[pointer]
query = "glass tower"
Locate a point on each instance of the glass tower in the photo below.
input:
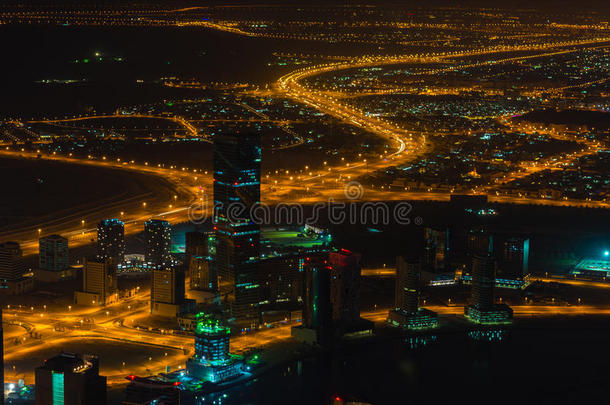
(237, 166)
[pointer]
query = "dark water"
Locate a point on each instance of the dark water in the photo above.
(35, 53)
(559, 363)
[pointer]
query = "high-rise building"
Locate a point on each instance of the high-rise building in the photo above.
(111, 240)
(483, 281)
(317, 311)
(167, 291)
(482, 308)
(317, 325)
(345, 286)
(212, 360)
(406, 312)
(99, 283)
(436, 250)
(196, 244)
(202, 274)
(158, 238)
(479, 242)
(406, 290)
(13, 277)
(69, 379)
(237, 160)
(12, 266)
(514, 262)
(148, 391)
(53, 253)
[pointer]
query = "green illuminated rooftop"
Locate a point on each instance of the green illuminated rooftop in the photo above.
(206, 324)
(294, 238)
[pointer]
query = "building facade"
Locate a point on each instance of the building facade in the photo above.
(99, 283)
(111, 240)
(70, 379)
(157, 238)
(53, 253)
(237, 160)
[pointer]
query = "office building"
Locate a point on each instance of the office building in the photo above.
(196, 244)
(99, 283)
(70, 379)
(237, 160)
(513, 263)
(53, 264)
(157, 239)
(202, 274)
(111, 240)
(14, 278)
(167, 291)
(148, 391)
(53, 253)
(482, 308)
(345, 294)
(436, 250)
(317, 311)
(212, 360)
(406, 312)
(345, 286)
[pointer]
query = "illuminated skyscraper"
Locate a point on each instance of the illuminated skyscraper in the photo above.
(53, 253)
(158, 238)
(69, 379)
(111, 240)
(237, 160)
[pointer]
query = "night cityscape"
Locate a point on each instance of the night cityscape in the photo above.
(280, 202)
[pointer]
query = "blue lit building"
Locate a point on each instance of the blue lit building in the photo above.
(237, 166)
(70, 379)
(212, 361)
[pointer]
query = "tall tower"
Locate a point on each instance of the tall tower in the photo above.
(482, 308)
(111, 240)
(345, 286)
(406, 294)
(237, 166)
(316, 295)
(483, 281)
(158, 238)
